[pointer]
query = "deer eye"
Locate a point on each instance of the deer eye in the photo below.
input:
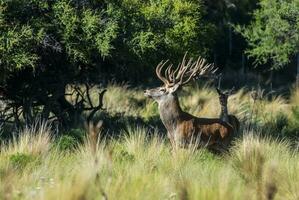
(162, 89)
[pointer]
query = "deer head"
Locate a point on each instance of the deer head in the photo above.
(175, 78)
(223, 95)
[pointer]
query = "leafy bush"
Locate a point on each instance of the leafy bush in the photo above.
(45, 44)
(76, 133)
(125, 156)
(20, 160)
(269, 33)
(66, 142)
(150, 112)
(277, 124)
(292, 128)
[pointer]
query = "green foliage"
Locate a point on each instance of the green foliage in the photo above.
(274, 124)
(273, 35)
(76, 133)
(66, 142)
(14, 52)
(292, 127)
(20, 160)
(125, 156)
(78, 32)
(150, 112)
(47, 45)
(169, 26)
(88, 31)
(281, 121)
(84, 31)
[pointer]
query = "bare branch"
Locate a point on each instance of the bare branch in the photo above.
(97, 108)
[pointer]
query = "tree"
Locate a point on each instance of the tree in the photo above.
(273, 34)
(47, 45)
(229, 46)
(158, 29)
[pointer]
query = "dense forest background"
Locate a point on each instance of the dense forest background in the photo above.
(45, 46)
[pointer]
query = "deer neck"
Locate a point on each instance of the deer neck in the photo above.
(170, 112)
(224, 113)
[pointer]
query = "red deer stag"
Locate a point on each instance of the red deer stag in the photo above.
(231, 119)
(182, 127)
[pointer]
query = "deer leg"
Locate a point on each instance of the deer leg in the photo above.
(218, 148)
(170, 137)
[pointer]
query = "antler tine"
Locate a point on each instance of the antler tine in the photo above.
(208, 68)
(183, 68)
(172, 74)
(199, 68)
(176, 70)
(195, 67)
(182, 75)
(168, 72)
(158, 72)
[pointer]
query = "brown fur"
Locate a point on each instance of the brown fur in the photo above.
(208, 131)
(183, 128)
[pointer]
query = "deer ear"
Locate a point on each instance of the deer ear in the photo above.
(218, 90)
(174, 88)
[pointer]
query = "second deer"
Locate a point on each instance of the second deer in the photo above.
(231, 119)
(181, 126)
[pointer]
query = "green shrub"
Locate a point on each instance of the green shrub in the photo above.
(76, 133)
(20, 160)
(276, 125)
(292, 127)
(121, 154)
(126, 156)
(67, 142)
(207, 156)
(281, 121)
(150, 112)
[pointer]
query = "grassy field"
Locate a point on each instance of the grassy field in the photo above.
(134, 160)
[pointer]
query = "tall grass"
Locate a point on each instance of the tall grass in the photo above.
(140, 163)
(142, 166)
(32, 140)
(202, 101)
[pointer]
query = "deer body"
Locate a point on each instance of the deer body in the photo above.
(183, 128)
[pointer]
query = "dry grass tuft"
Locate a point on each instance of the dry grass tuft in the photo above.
(33, 140)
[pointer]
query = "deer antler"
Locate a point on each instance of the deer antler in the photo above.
(185, 71)
(158, 72)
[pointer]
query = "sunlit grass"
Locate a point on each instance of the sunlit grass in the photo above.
(143, 166)
(201, 101)
(140, 163)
